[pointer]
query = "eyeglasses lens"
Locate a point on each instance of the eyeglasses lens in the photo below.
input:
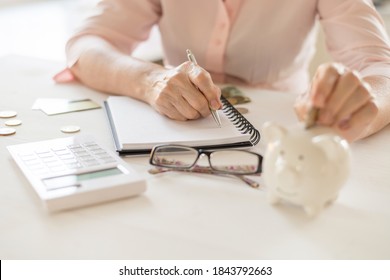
(234, 161)
(174, 156)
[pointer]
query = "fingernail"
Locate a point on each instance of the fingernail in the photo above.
(343, 125)
(214, 104)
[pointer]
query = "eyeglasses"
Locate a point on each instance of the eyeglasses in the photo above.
(221, 162)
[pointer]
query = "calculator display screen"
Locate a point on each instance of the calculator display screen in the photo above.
(69, 180)
(97, 174)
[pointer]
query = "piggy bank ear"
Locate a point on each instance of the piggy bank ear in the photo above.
(273, 132)
(331, 144)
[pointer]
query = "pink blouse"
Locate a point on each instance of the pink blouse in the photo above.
(258, 42)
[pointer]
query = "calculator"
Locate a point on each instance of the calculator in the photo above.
(75, 171)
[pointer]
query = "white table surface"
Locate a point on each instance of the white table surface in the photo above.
(181, 216)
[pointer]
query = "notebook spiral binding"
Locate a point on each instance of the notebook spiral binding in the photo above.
(242, 124)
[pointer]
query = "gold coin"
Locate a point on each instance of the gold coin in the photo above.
(242, 99)
(8, 114)
(70, 129)
(242, 110)
(13, 122)
(231, 91)
(311, 117)
(4, 131)
(232, 100)
(247, 99)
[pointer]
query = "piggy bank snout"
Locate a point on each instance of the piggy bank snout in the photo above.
(288, 177)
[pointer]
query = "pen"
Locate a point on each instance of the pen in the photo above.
(214, 113)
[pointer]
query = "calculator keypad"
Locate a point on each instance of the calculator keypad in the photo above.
(63, 158)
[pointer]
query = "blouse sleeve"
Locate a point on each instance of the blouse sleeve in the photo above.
(356, 35)
(123, 23)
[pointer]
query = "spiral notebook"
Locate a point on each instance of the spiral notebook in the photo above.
(137, 128)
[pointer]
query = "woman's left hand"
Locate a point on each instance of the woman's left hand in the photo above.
(344, 100)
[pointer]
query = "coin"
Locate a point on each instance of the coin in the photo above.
(13, 122)
(70, 129)
(231, 91)
(232, 100)
(311, 117)
(242, 99)
(242, 110)
(4, 131)
(8, 114)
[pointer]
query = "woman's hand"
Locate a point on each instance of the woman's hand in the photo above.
(344, 100)
(184, 93)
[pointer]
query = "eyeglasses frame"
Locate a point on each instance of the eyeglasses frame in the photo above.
(207, 152)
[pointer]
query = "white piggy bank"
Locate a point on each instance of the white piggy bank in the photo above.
(304, 167)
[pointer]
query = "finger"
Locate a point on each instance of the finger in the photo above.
(171, 112)
(302, 105)
(185, 109)
(342, 91)
(172, 96)
(356, 125)
(324, 81)
(164, 101)
(186, 98)
(357, 100)
(198, 102)
(202, 80)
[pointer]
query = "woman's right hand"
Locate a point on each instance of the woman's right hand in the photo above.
(184, 93)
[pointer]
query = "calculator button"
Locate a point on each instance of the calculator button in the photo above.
(74, 146)
(57, 168)
(58, 149)
(94, 148)
(42, 171)
(81, 154)
(86, 157)
(75, 165)
(90, 145)
(42, 151)
(45, 155)
(49, 159)
(78, 150)
(32, 162)
(28, 157)
(90, 163)
(69, 161)
(107, 159)
(37, 167)
(100, 153)
(62, 152)
(86, 144)
(66, 157)
(54, 164)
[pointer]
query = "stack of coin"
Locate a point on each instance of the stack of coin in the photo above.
(236, 100)
(236, 97)
(5, 131)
